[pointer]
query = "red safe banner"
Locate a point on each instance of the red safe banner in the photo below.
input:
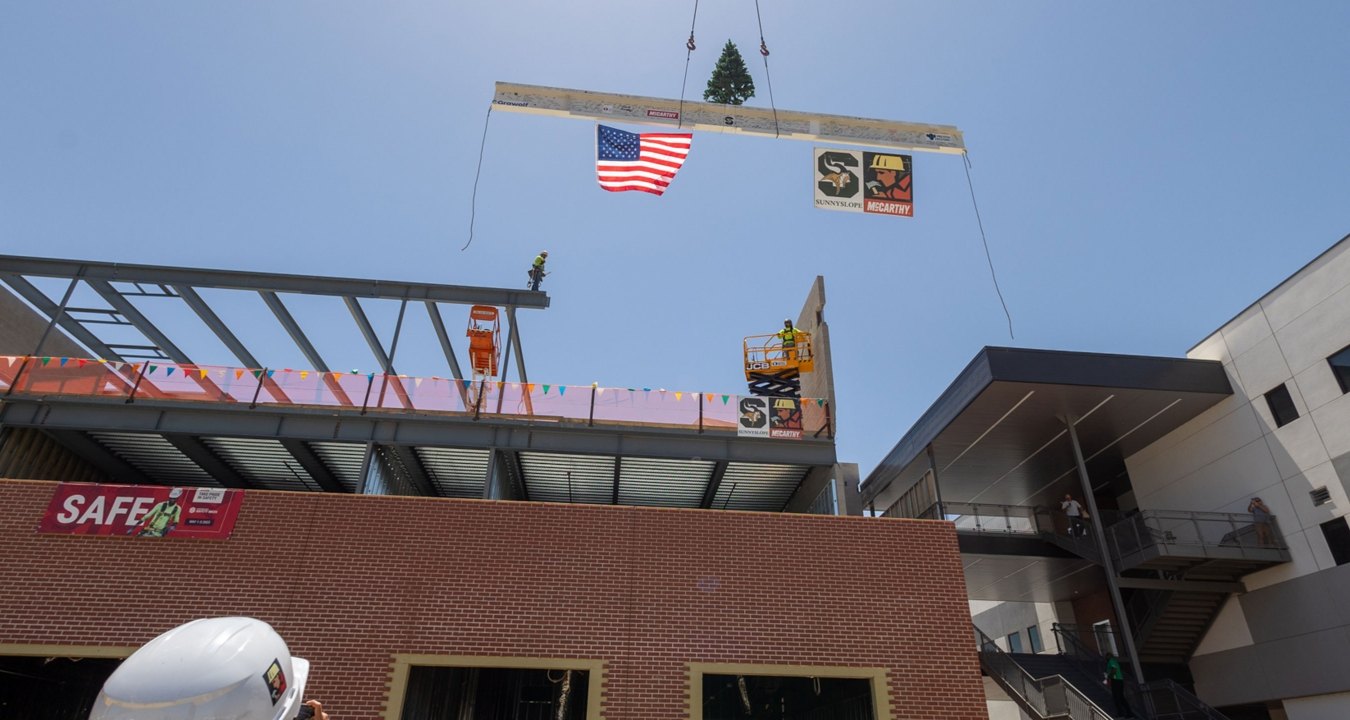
(141, 511)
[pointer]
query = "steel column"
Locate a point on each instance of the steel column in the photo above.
(1112, 581)
(714, 484)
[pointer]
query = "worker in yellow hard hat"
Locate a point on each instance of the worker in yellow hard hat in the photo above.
(537, 269)
(788, 337)
(888, 177)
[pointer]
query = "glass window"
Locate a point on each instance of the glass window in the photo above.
(1340, 367)
(1015, 643)
(1034, 639)
(1337, 533)
(760, 697)
(1281, 406)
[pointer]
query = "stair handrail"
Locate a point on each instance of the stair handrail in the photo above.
(1154, 700)
(1047, 697)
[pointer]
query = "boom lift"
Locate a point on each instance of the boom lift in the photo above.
(485, 347)
(773, 370)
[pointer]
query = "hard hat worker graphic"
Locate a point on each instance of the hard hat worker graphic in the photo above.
(162, 518)
(227, 668)
(887, 178)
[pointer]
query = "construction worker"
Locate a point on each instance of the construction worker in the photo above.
(788, 336)
(163, 517)
(537, 269)
(211, 669)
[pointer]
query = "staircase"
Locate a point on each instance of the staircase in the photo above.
(1073, 672)
(1170, 625)
(1042, 698)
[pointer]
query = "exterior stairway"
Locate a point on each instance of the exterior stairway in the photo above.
(1073, 672)
(1042, 698)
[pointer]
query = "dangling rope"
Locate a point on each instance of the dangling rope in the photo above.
(764, 53)
(689, 48)
(985, 240)
(473, 201)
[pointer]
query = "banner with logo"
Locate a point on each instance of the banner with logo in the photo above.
(864, 181)
(141, 511)
(775, 417)
(752, 418)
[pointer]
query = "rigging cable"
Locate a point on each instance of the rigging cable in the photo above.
(473, 201)
(689, 47)
(985, 240)
(764, 52)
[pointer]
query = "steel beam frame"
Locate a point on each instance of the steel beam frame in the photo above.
(273, 282)
(201, 455)
(313, 464)
(714, 484)
(92, 452)
(416, 472)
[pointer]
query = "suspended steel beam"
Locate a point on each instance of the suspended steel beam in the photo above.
(690, 115)
(271, 282)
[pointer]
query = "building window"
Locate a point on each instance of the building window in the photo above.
(1034, 639)
(735, 695)
(1281, 406)
(1337, 533)
(1015, 643)
(1340, 367)
(1320, 496)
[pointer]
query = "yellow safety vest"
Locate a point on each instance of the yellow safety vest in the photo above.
(789, 337)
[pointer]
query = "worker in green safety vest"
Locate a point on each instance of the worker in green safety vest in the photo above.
(163, 517)
(788, 335)
(537, 269)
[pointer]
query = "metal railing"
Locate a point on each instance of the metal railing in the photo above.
(1195, 534)
(1153, 700)
(710, 413)
(1046, 697)
(1022, 520)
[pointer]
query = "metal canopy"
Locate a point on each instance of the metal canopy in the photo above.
(116, 283)
(998, 433)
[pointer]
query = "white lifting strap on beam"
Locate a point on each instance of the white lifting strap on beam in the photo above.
(728, 118)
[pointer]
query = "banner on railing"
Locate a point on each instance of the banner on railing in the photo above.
(141, 511)
(776, 417)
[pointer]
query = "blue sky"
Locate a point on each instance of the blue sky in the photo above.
(1144, 171)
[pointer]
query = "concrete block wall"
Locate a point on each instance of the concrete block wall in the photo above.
(351, 581)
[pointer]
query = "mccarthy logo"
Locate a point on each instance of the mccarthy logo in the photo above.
(668, 114)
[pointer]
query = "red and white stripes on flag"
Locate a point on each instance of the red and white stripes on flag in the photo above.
(632, 161)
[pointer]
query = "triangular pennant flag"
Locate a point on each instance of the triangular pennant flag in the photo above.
(546, 387)
(204, 372)
(678, 394)
(81, 362)
(64, 361)
(369, 376)
(417, 382)
(562, 389)
(646, 390)
(169, 371)
(725, 398)
(257, 373)
(304, 374)
(820, 402)
(467, 384)
(152, 370)
(598, 390)
(708, 397)
(270, 373)
(46, 360)
(529, 388)
(238, 374)
(285, 370)
(101, 361)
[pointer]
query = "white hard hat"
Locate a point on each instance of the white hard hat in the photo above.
(175, 493)
(229, 668)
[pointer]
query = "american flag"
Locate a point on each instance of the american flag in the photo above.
(646, 162)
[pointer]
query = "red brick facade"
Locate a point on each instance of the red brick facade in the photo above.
(349, 581)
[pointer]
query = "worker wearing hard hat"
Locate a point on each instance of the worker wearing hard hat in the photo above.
(889, 178)
(788, 336)
(163, 517)
(228, 668)
(537, 269)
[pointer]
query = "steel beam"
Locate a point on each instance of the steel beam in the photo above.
(377, 349)
(714, 484)
(271, 282)
(618, 465)
(227, 337)
(140, 321)
(201, 455)
(396, 427)
(439, 325)
(313, 464)
(715, 117)
(89, 450)
(1182, 585)
(44, 305)
(413, 466)
(512, 460)
(292, 328)
(515, 342)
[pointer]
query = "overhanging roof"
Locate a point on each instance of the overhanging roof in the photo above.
(998, 434)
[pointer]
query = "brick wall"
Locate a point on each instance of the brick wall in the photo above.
(349, 581)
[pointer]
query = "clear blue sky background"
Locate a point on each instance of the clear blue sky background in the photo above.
(1145, 170)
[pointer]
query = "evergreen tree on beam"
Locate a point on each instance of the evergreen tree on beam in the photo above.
(730, 83)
